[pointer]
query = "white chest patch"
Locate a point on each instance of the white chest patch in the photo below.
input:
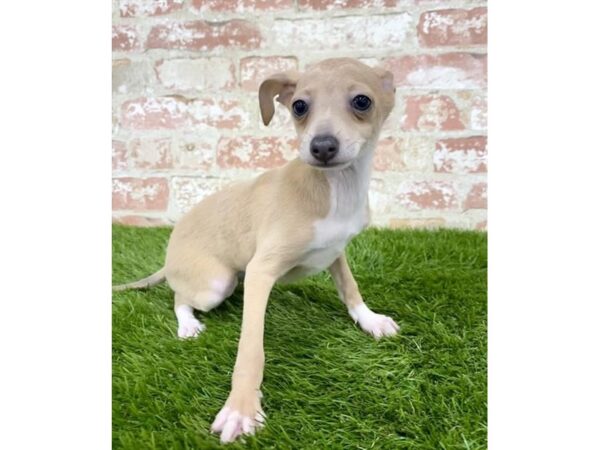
(332, 234)
(348, 215)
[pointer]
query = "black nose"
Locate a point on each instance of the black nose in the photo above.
(324, 148)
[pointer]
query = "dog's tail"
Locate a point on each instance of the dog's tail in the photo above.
(144, 283)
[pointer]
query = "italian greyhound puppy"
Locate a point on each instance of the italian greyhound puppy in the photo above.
(288, 223)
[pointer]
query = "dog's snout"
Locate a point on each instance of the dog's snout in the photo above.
(324, 148)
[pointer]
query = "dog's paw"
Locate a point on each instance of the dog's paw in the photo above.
(232, 424)
(375, 324)
(239, 416)
(379, 325)
(189, 328)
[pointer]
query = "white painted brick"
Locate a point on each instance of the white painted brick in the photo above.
(186, 192)
(196, 74)
(378, 31)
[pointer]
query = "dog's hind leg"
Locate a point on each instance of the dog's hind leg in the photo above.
(187, 325)
(200, 287)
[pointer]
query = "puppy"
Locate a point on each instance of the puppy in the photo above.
(288, 223)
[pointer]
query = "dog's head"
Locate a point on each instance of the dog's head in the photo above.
(338, 107)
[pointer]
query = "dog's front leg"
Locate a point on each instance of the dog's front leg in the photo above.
(376, 324)
(242, 412)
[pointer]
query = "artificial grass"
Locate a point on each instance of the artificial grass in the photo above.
(327, 385)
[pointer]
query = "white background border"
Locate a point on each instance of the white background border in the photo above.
(55, 386)
(543, 226)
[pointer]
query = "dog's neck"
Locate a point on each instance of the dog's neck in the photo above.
(350, 186)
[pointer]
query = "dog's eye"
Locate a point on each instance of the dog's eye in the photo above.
(361, 103)
(300, 107)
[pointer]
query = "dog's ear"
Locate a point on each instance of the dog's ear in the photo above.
(281, 85)
(389, 91)
(387, 79)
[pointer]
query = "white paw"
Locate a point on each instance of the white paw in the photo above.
(189, 328)
(231, 424)
(375, 324)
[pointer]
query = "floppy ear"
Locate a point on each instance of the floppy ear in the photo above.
(281, 84)
(387, 79)
(387, 87)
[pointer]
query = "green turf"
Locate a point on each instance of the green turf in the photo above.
(327, 385)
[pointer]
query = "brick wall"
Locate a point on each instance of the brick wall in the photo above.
(185, 108)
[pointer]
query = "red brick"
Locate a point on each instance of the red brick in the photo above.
(139, 8)
(453, 27)
(125, 38)
(445, 71)
(322, 5)
(241, 5)
(249, 152)
(198, 74)
(411, 153)
(255, 69)
(431, 113)
(461, 155)
(149, 153)
(141, 221)
(201, 36)
(477, 197)
(119, 155)
(416, 195)
(143, 194)
(388, 156)
(176, 111)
